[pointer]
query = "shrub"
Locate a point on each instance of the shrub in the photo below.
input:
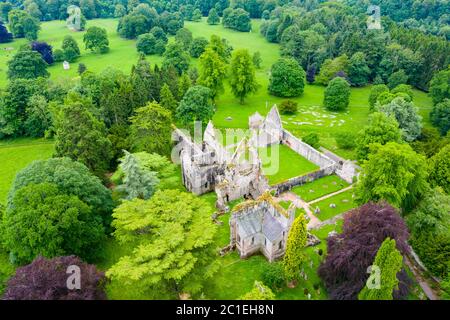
(337, 95)
(146, 43)
(312, 139)
(273, 276)
(288, 107)
(346, 140)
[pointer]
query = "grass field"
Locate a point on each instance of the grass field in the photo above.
(312, 117)
(17, 154)
(320, 188)
(281, 163)
(343, 201)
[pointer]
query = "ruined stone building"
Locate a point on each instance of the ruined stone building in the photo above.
(235, 171)
(261, 225)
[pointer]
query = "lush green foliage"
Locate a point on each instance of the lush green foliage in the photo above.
(195, 106)
(395, 173)
(440, 169)
(96, 39)
(151, 129)
(44, 221)
(337, 95)
(381, 129)
(389, 261)
(296, 242)
(213, 71)
(288, 107)
(259, 292)
(172, 234)
(242, 75)
(440, 116)
(80, 136)
(27, 64)
(287, 78)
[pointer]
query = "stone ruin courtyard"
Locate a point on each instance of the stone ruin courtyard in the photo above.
(316, 183)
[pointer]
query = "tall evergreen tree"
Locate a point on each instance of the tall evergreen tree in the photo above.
(389, 261)
(167, 100)
(294, 256)
(137, 183)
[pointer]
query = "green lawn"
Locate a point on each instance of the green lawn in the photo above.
(320, 188)
(17, 154)
(281, 163)
(311, 117)
(343, 201)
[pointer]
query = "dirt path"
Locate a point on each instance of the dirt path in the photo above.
(299, 203)
(424, 282)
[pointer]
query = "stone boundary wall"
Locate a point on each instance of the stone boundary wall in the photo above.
(306, 151)
(301, 180)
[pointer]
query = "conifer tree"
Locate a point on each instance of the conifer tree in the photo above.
(294, 256)
(184, 83)
(137, 183)
(389, 261)
(167, 100)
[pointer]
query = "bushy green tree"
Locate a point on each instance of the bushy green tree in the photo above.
(213, 71)
(259, 292)
(242, 78)
(389, 261)
(440, 116)
(358, 70)
(312, 139)
(440, 86)
(287, 79)
(196, 106)
(440, 169)
(346, 140)
(70, 48)
(407, 116)
(213, 17)
(397, 78)
(71, 178)
(294, 256)
(146, 43)
(197, 15)
(395, 173)
(381, 129)
(337, 95)
(44, 221)
(273, 276)
(257, 60)
(27, 64)
(137, 183)
(375, 92)
(184, 38)
(151, 129)
(81, 137)
(175, 56)
(173, 239)
(39, 118)
(330, 68)
(96, 39)
(167, 100)
(22, 24)
(198, 47)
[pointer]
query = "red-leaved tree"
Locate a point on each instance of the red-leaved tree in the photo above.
(46, 279)
(344, 271)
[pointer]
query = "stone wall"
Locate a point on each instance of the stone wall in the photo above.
(301, 180)
(306, 151)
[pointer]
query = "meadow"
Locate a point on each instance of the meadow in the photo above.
(311, 118)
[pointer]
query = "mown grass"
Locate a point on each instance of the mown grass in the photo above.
(123, 55)
(319, 188)
(343, 201)
(281, 163)
(16, 155)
